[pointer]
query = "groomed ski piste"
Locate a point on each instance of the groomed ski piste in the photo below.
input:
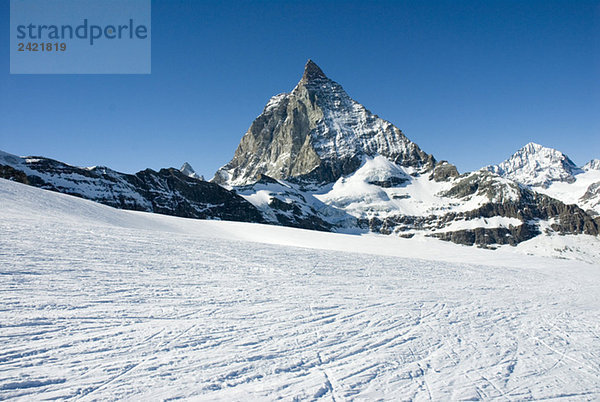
(104, 304)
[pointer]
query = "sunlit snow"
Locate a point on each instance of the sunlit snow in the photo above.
(99, 303)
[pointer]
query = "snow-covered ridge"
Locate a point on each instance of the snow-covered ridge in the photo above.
(85, 182)
(168, 191)
(275, 101)
(538, 166)
(583, 191)
(594, 164)
(380, 188)
(551, 172)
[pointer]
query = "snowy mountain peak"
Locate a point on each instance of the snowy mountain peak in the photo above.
(312, 72)
(537, 166)
(317, 133)
(533, 147)
(594, 164)
(188, 170)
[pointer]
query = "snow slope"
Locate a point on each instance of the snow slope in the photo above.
(360, 194)
(575, 192)
(99, 303)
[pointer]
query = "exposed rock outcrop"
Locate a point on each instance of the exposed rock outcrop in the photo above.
(167, 191)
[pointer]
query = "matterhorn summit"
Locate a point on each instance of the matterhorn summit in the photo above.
(316, 133)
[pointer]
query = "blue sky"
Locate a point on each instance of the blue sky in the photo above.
(469, 81)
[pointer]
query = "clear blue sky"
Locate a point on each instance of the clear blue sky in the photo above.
(469, 81)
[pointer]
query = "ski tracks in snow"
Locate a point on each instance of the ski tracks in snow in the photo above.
(93, 312)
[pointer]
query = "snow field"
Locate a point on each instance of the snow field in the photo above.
(99, 303)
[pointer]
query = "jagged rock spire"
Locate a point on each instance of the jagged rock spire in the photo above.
(316, 134)
(312, 72)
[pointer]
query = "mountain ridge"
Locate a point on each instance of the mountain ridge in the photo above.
(353, 162)
(167, 191)
(537, 166)
(317, 159)
(551, 172)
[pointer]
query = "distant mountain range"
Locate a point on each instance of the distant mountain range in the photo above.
(317, 159)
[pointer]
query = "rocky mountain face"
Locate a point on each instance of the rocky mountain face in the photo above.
(316, 134)
(167, 191)
(316, 159)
